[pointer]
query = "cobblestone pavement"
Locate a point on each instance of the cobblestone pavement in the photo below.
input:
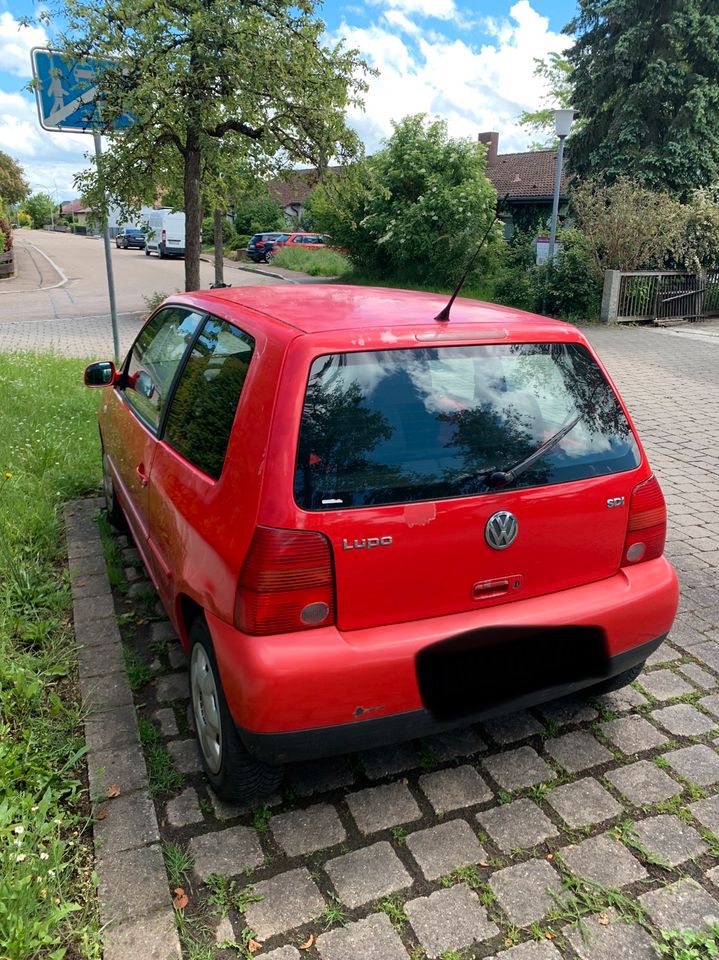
(473, 841)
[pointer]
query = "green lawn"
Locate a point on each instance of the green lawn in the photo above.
(49, 452)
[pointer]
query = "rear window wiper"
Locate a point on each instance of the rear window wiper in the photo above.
(503, 478)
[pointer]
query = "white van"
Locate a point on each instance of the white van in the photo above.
(165, 233)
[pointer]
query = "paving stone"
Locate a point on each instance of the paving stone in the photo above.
(96, 660)
(522, 890)
(574, 709)
(518, 824)
(531, 950)
(319, 776)
(698, 763)
(664, 684)
(681, 905)
(132, 574)
(185, 755)
(632, 734)
(454, 789)
(177, 656)
(615, 941)
(142, 588)
(516, 769)
(152, 937)
(87, 587)
(390, 760)
(683, 720)
(512, 727)
(89, 566)
(224, 931)
(101, 633)
(449, 919)
(228, 810)
(643, 783)
(125, 767)
(372, 939)
(685, 634)
(162, 632)
(711, 704)
(439, 850)
(708, 653)
(165, 718)
(577, 751)
(367, 874)
(304, 831)
(227, 852)
(665, 654)
(116, 728)
(288, 900)
(105, 692)
(132, 883)
(604, 860)
(707, 813)
(184, 809)
(87, 613)
(455, 743)
(713, 876)
(172, 687)
(670, 839)
(583, 803)
(619, 701)
(131, 555)
(698, 676)
(124, 823)
(378, 808)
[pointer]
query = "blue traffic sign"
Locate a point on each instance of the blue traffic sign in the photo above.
(67, 93)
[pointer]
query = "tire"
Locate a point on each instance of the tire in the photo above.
(233, 772)
(619, 681)
(268, 256)
(112, 506)
(160, 252)
(117, 244)
(147, 251)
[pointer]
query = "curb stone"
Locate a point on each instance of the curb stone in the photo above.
(135, 908)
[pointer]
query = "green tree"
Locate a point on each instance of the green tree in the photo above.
(415, 209)
(13, 186)
(39, 207)
(258, 214)
(196, 72)
(645, 79)
(556, 70)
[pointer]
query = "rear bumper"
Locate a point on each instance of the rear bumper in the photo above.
(365, 734)
(325, 691)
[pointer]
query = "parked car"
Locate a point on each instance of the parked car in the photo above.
(130, 237)
(309, 241)
(261, 246)
(368, 525)
(166, 233)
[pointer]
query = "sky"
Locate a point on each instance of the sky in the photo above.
(469, 62)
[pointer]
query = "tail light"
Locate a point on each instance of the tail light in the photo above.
(260, 243)
(164, 236)
(647, 527)
(286, 583)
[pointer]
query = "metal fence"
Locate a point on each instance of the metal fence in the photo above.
(642, 296)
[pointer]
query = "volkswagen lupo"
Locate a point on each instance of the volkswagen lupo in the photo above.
(368, 525)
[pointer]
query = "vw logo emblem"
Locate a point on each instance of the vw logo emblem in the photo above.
(501, 530)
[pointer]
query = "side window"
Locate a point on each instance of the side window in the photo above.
(204, 404)
(298, 239)
(154, 359)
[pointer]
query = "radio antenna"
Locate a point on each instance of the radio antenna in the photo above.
(443, 315)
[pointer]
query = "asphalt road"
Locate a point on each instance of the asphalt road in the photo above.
(59, 298)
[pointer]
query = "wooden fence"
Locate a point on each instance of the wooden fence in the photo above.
(7, 264)
(653, 296)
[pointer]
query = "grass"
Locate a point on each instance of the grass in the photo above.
(178, 863)
(580, 898)
(49, 452)
(138, 672)
(393, 908)
(317, 263)
(162, 775)
(334, 914)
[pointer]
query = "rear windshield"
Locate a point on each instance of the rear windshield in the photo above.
(397, 426)
(132, 230)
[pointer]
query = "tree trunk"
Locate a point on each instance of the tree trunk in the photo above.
(219, 249)
(193, 213)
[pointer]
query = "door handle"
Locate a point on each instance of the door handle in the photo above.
(142, 475)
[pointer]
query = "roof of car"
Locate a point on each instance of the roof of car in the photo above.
(316, 308)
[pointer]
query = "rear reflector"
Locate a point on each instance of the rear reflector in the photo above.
(647, 526)
(286, 583)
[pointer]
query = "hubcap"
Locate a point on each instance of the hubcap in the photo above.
(206, 708)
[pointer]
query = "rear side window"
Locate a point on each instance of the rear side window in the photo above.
(398, 426)
(208, 390)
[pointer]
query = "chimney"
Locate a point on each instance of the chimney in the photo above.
(492, 141)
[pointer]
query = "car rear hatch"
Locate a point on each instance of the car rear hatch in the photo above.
(404, 461)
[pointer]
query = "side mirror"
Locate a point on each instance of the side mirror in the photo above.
(100, 374)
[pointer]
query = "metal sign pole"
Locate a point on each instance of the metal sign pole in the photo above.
(108, 263)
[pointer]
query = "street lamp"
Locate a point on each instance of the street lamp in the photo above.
(562, 123)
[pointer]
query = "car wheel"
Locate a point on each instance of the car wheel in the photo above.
(113, 508)
(268, 256)
(147, 251)
(619, 681)
(160, 252)
(117, 244)
(233, 772)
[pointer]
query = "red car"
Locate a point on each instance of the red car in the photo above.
(368, 525)
(308, 241)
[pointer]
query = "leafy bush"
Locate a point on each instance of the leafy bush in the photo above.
(229, 238)
(689, 945)
(258, 215)
(5, 236)
(317, 263)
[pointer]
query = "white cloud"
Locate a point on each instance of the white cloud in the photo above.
(439, 9)
(474, 87)
(16, 42)
(50, 160)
